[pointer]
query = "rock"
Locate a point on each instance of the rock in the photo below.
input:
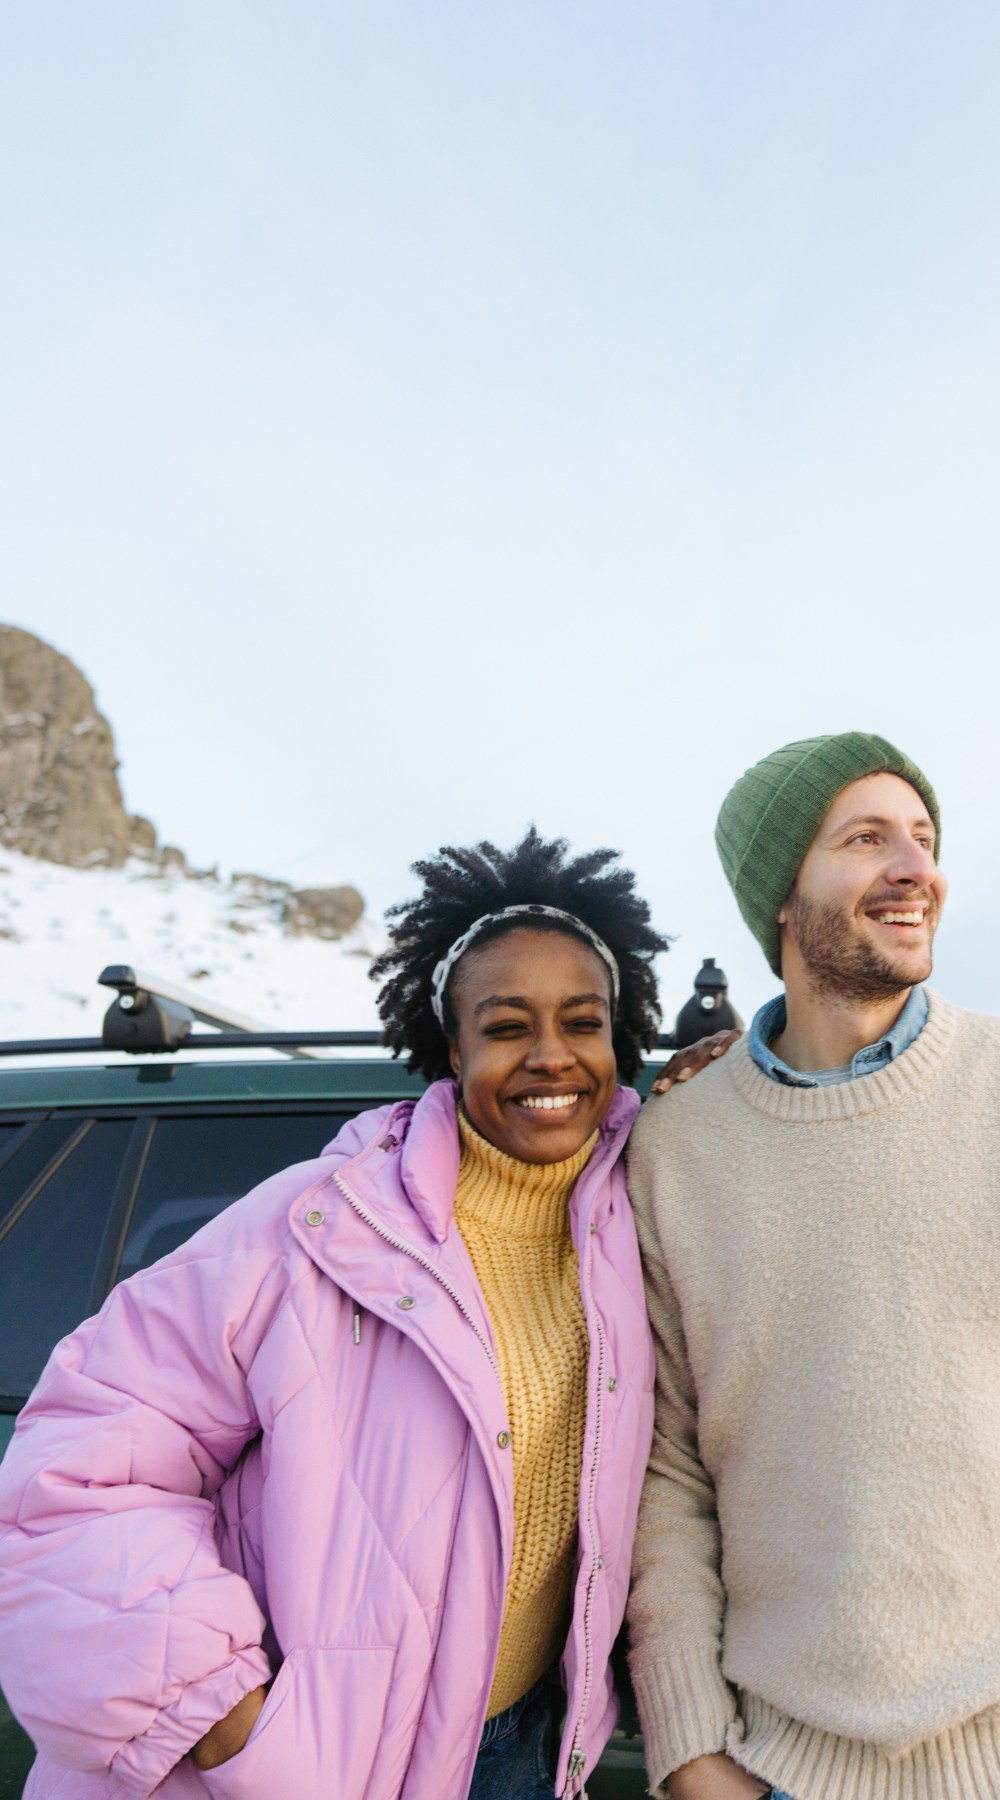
(59, 793)
(142, 833)
(304, 912)
(258, 890)
(322, 912)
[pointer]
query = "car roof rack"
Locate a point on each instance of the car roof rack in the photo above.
(151, 1016)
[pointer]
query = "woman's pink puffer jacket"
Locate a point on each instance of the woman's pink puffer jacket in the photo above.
(282, 1448)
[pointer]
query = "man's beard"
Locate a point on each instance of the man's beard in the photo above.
(843, 966)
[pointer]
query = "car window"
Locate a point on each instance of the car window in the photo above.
(24, 1153)
(48, 1256)
(9, 1134)
(198, 1166)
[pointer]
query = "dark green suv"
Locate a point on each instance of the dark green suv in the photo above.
(105, 1167)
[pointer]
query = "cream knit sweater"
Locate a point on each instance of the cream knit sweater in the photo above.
(823, 1498)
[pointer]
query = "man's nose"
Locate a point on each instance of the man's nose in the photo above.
(912, 864)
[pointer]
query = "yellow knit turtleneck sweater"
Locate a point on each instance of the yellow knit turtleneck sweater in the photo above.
(514, 1218)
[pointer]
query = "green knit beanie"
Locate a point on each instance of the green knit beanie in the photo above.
(769, 819)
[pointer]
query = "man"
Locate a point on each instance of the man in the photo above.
(817, 1569)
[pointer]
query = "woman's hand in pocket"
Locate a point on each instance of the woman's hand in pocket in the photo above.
(227, 1738)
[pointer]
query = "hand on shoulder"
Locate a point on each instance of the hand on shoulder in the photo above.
(685, 1063)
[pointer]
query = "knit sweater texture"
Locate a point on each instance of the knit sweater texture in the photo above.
(514, 1218)
(817, 1565)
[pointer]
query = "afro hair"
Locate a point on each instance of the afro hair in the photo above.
(461, 886)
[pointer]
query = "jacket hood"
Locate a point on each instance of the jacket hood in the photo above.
(427, 1130)
(431, 1149)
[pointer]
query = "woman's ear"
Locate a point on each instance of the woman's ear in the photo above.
(454, 1059)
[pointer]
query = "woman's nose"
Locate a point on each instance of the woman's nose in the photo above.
(551, 1050)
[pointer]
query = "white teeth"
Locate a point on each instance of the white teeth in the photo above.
(548, 1102)
(901, 918)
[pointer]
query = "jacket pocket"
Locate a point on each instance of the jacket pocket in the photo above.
(319, 1730)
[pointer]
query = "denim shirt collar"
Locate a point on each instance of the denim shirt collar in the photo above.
(772, 1018)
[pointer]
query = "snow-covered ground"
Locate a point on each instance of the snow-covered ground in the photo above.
(60, 927)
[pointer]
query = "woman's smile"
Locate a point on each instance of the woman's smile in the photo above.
(548, 1102)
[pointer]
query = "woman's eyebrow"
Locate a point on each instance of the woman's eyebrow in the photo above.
(523, 1005)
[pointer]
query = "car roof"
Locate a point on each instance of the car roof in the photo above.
(362, 1082)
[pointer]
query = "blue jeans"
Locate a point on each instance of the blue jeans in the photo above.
(513, 1760)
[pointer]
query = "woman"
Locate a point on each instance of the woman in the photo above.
(317, 1503)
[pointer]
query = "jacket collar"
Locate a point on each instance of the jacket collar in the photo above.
(431, 1151)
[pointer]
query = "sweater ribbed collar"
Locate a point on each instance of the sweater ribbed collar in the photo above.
(521, 1199)
(849, 1099)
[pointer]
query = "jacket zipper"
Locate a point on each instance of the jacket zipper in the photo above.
(577, 1764)
(397, 1243)
(578, 1756)
(425, 1263)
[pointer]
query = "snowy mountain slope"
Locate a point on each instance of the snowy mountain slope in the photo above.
(59, 927)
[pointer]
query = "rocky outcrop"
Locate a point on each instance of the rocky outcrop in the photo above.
(59, 792)
(322, 912)
(60, 799)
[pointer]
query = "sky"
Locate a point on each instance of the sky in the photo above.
(422, 420)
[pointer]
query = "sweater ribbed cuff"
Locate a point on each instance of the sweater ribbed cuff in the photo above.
(685, 1708)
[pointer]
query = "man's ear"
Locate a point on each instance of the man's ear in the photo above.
(454, 1059)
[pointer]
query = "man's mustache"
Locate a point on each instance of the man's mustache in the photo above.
(899, 898)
